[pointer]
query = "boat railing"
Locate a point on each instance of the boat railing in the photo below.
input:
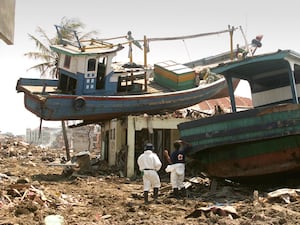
(131, 80)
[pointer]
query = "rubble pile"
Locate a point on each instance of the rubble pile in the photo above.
(34, 191)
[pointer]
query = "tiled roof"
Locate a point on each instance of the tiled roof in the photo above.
(224, 103)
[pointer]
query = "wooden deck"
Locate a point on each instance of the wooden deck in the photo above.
(40, 89)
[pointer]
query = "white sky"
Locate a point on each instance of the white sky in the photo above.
(276, 20)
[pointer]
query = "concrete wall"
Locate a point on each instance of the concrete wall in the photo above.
(114, 138)
(151, 122)
(7, 22)
(122, 134)
(82, 139)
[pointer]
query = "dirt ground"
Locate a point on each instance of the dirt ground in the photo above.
(32, 192)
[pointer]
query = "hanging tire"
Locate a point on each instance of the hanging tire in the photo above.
(79, 103)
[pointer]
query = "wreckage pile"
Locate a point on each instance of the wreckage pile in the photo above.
(34, 192)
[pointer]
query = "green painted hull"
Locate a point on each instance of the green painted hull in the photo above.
(252, 143)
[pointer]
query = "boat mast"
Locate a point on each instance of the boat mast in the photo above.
(145, 61)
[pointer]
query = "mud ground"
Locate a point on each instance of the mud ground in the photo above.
(32, 191)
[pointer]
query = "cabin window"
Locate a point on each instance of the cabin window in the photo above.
(67, 61)
(101, 73)
(297, 74)
(269, 83)
(91, 65)
(279, 77)
(67, 84)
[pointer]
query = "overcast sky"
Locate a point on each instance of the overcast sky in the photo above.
(276, 20)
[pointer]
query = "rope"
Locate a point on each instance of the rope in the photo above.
(187, 50)
(187, 36)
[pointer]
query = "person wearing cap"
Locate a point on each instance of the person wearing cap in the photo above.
(149, 163)
(177, 166)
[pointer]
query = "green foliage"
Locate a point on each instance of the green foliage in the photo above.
(48, 59)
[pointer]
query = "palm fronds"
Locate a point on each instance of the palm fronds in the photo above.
(48, 59)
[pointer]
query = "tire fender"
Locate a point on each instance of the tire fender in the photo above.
(79, 103)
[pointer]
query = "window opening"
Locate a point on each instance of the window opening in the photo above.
(67, 61)
(101, 73)
(91, 65)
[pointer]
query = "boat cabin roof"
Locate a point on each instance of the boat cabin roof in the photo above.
(88, 47)
(248, 68)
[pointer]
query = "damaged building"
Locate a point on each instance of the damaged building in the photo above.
(123, 139)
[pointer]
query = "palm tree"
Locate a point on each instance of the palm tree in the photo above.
(48, 59)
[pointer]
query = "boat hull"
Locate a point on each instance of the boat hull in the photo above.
(54, 106)
(249, 144)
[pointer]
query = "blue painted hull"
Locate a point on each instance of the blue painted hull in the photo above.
(54, 106)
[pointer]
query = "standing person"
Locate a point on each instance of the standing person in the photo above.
(149, 163)
(177, 167)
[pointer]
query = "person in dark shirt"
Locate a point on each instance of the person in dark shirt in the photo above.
(177, 166)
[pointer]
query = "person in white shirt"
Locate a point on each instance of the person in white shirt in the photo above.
(149, 163)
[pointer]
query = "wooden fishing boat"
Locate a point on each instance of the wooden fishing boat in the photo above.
(258, 143)
(88, 88)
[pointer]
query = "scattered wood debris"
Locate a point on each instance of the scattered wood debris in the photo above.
(34, 193)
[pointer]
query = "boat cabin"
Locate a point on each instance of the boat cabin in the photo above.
(274, 78)
(87, 70)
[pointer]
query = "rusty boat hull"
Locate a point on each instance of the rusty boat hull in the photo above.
(258, 143)
(252, 144)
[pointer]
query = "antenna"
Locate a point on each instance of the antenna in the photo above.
(64, 41)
